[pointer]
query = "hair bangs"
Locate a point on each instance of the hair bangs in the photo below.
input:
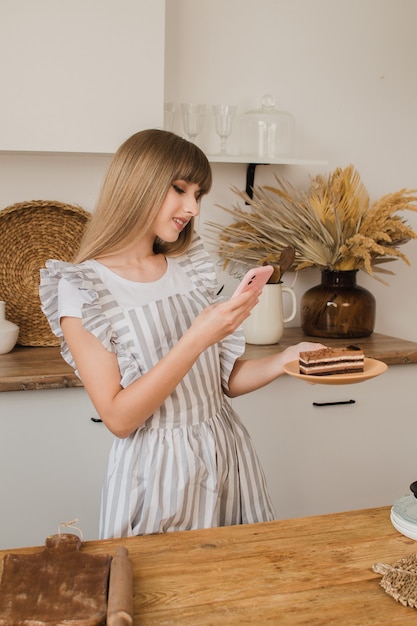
(193, 167)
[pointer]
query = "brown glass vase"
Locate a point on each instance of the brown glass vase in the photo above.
(338, 307)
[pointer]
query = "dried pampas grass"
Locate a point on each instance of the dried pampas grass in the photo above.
(331, 226)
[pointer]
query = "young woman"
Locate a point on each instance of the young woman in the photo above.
(158, 351)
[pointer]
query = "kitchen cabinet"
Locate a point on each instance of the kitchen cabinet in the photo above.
(316, 459)
(323, 459)
(80, 76)
(52, 464)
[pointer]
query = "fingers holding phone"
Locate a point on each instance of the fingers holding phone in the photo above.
(254, 280)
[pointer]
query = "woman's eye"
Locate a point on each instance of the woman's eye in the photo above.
(178, 189)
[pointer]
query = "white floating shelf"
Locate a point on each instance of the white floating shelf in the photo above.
(238, 158)
(252, 163)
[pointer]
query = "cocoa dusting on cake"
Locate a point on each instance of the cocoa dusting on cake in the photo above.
(329, 361)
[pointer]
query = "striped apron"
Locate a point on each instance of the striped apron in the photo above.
(192, 463)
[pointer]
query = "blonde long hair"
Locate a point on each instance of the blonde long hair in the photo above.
(136, 184)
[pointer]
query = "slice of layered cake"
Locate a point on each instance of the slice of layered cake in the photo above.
(327, 361)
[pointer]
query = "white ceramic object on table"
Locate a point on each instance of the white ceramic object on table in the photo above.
(265, 325)
(9, 331)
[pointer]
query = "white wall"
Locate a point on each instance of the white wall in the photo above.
(345, 70)
(76, 76)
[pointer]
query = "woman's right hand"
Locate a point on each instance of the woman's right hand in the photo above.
(222, 318)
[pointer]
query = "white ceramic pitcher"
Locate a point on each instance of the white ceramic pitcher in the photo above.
(265, 325)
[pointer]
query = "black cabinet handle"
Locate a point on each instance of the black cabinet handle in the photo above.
(334, 403)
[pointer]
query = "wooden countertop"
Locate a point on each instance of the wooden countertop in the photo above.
(25, 369)
(43, 368)
(390, 350)
(312, 570)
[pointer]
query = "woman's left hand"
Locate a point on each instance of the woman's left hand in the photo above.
(251, 374)
(292, 353)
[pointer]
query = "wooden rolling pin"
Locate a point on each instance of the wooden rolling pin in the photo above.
(120, 598)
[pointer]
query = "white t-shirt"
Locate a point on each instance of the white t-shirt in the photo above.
(127, 293)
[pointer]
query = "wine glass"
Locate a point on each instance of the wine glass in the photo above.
(193, 119)
(169, 115)
(223, 117)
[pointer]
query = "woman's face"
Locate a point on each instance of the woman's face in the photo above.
(181, 203)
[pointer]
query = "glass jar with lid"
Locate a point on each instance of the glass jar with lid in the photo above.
(267, 133)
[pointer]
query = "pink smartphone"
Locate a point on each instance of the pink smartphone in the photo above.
(255, 278)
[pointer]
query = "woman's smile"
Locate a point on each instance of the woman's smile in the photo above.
(180, 223)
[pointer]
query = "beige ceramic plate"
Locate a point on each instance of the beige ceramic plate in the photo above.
(371, 368)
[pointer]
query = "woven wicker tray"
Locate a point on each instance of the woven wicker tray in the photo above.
(31, 233)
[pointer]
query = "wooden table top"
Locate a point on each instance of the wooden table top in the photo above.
(311, 570)
(43, 368)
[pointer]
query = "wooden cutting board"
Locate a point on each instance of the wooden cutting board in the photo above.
(55, 585)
